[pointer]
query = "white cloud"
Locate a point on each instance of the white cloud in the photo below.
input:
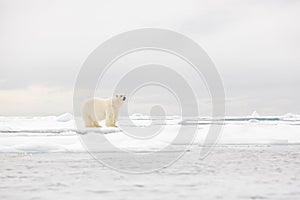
(255, 45)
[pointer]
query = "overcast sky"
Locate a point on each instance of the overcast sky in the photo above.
(255, 45)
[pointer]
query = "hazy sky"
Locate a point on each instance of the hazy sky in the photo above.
(255, 45)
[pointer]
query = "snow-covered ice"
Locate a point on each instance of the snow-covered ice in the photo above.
(58, 134)
(256, 157)
(230, 172)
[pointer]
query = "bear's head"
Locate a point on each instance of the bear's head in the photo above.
(119, 98)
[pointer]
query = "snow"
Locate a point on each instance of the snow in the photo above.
(59, 134)
(65, 117)
(43, 158)
(254, 114)
(231, 172)
(41, 144)
(139, 116)
(291, 117)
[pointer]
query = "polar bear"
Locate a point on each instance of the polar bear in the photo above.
(98, 109)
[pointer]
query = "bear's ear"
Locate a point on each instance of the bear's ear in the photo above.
(117, 95)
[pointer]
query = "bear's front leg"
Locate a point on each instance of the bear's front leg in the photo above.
(115, 117)
(113, 124)
(109, 120)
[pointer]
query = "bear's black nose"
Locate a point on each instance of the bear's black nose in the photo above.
(124, 98)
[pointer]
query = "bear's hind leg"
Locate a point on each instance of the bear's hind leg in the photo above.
(90, 122)
(87, 121)
(88, 125)
(96, 124)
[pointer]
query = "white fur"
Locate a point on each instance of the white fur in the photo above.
(98, 109)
